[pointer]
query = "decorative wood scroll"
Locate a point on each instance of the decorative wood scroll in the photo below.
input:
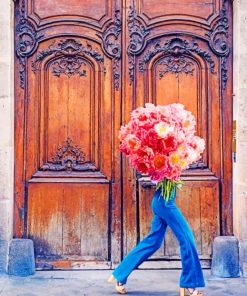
(219, 33)
(26, 41)
(218, 42)
(72, 51)
(137, 34)
(69, 158)
(176, 47)
(112, 45)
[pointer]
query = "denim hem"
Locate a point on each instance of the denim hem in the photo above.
(192, 285)
(119, 280)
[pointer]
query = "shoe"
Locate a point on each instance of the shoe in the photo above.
(185, 291)
(119, 287)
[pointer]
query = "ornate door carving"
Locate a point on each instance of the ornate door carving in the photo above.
(81, 67)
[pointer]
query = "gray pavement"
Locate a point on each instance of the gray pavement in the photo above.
(93, 283)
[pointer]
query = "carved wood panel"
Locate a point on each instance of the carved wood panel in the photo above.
(200, 11)
(47, 12)
(68, 88)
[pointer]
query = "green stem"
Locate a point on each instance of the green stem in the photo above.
(168, 187)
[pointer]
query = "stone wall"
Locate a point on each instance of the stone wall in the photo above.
(240, 115)
(6, 127)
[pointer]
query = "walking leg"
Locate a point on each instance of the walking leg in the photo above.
(142, 251)
(192, 275)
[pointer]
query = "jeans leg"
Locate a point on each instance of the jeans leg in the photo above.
(142, 251)
(192, 275)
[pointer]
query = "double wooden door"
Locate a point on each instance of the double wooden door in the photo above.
(81, 67)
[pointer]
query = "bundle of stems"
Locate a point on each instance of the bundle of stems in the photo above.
(168, 187)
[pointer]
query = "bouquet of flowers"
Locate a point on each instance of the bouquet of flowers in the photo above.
(160, 141)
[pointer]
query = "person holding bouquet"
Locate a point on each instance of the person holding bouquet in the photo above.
(160, 141)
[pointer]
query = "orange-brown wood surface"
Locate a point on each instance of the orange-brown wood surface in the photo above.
(72, 220)
(81, 67)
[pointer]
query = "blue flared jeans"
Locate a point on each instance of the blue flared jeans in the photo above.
(165, 214)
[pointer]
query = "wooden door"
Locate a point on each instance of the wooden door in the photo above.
(181, 51)
(81, 67)
(67, 177)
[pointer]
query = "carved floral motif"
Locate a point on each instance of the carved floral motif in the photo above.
(70, 53)
(176, 47)
(68, 158)
(69, 66)
(176, 64)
